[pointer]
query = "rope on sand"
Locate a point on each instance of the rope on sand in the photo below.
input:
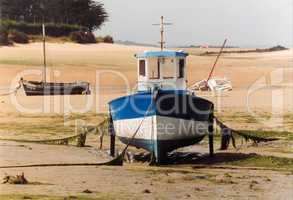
(118, 161)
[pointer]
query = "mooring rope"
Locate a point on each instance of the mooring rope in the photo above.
(117, 161)
(14, 91)
(228, 134)
(114, 162)
(62, 141)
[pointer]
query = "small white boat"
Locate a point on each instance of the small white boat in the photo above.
(213, 84)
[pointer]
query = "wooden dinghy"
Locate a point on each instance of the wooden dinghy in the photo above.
(35, 88)
(42, 88)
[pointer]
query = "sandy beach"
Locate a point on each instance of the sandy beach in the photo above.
(261, 99)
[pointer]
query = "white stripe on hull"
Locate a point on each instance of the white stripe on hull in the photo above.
(161, 128)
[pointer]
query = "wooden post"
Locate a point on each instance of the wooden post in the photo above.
(211, 135)
(112, 145)
(162, 34)
(112, 137)
(101, 140)
(81, 140)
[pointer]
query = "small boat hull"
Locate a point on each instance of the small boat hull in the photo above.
(34, 88)
(169, 121)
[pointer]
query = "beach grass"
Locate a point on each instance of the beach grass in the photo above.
(265, 162)
(27, 126)
(284, 135)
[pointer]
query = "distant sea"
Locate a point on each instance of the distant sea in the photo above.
(197, 46)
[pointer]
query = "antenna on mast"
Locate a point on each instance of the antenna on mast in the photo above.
(162, 25)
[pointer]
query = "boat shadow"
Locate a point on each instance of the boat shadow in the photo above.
(185, 158)
(193, 158)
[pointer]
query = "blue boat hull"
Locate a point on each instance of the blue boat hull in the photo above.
(178, 110)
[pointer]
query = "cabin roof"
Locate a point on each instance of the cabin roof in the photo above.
(149, 54)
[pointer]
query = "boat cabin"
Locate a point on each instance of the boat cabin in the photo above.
(162, 69)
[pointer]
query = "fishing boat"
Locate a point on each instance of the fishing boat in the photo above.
(43, 88)
(35, 88)
(163, 114)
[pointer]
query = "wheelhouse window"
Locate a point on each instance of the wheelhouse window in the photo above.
(142, 67)
(153, 68)
(181, 68)
(168, 68)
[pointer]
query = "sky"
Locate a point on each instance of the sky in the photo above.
(249, 23)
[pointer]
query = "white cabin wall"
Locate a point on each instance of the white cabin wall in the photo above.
(145, 82)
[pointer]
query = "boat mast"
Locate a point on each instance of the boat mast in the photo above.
(162, 42)
(44, 53)
(43, 9)
(218, 56)
(162, 25)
